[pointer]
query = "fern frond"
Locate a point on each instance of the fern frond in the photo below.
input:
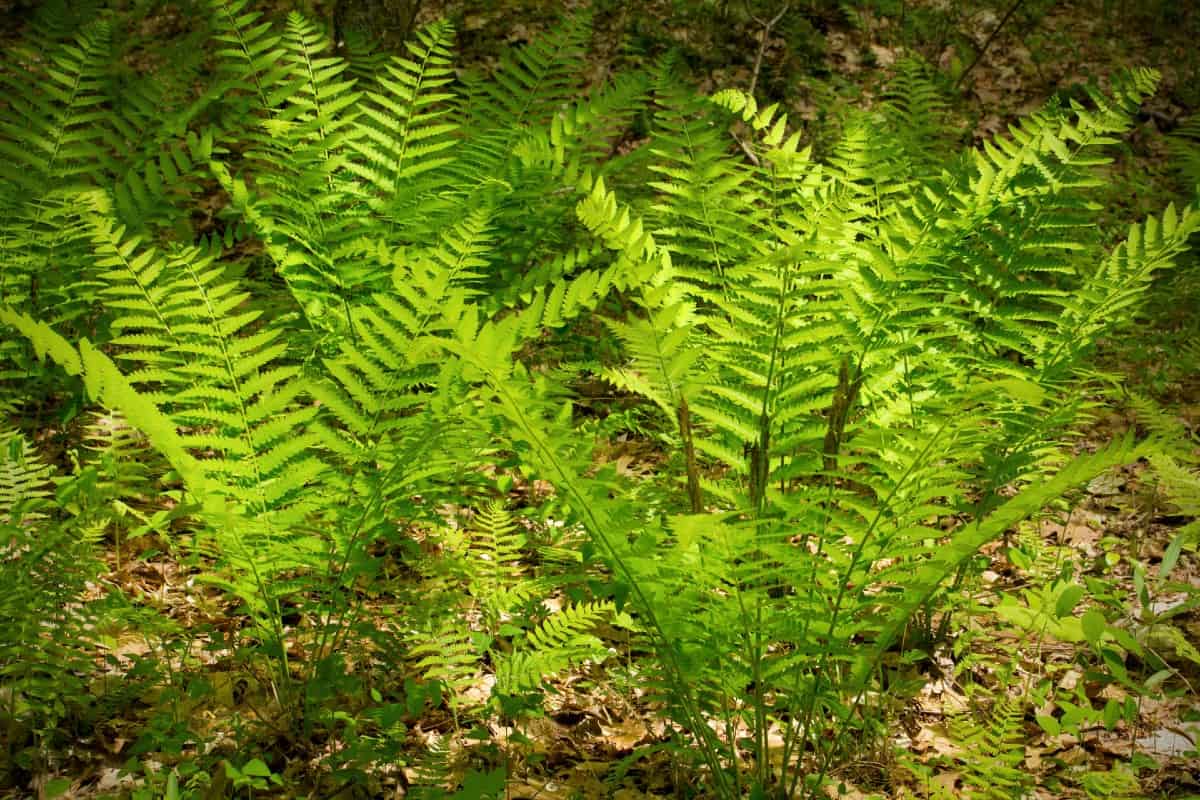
(46, 631)
(450, 657)
(54, 130)
(943, 565)
(1184, 146)
(432, 773)
(407, 127)
(1107, 295)
(152, 192)
(496, 545)
(531, 83)
(55, 135)
(305, 203)
(699, 189)
(993, 748)
(662, 358)
(579, 135)
(916, 109)
(58, 21)
(561, 641)
(249, 57)
(24, 482)
(372, 378)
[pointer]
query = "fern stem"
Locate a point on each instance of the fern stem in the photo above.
(586, 508)
(695, 497)
(843, 582)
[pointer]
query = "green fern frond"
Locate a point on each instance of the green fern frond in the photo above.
(569, 299)
(496, 545)
(1181, 486)
(549, 272)
(56, 135)
(623, 231)
(944, 564)
(1117, 783)
(663, 353)
(366, 58)
(249, 57)
(432, 773)
(24, 482)
(450, 656)
(305, 204)
(407, 128)
(53, 133)
(151, 194)
(373, 376)
(531, 83)
(916, 110)
(47, 632)
(561, 641)
(122, 458)
(699, 189)
(57, 21)
(244, 417)
(993, 749)
(1184, 146)
(579, 135)
(1118, 284)
(148, 295)
(1168, 431)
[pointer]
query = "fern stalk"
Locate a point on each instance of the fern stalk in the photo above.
(586, 507)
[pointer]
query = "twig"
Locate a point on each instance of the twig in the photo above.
(750, 154)
(988, 43)
(762, 43)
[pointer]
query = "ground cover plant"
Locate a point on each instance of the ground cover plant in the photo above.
(312, 333)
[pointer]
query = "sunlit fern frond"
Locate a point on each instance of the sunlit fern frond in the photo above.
(56, 135)
(450, 656)
(560, 641)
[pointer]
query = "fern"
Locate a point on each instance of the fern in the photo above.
(54, 136)
(709, 230)
(258, 458)
(530, 85)
(151, 194)
(497, 547)
(45, 629)
(250, 58)
(837, 387)
(916, 111)
(115, 484)
(560, 641)
(407, 128)
(1119, 783)
(851, 354)
(24, 487)
(994, 744)
(58, 21)
(303, 205)
(432, 773)
(1184, 146)
(449, 656)
(1174, 466)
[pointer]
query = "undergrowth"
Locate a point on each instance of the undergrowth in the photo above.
(289, 325)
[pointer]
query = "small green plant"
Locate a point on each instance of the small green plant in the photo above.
(252, 776)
